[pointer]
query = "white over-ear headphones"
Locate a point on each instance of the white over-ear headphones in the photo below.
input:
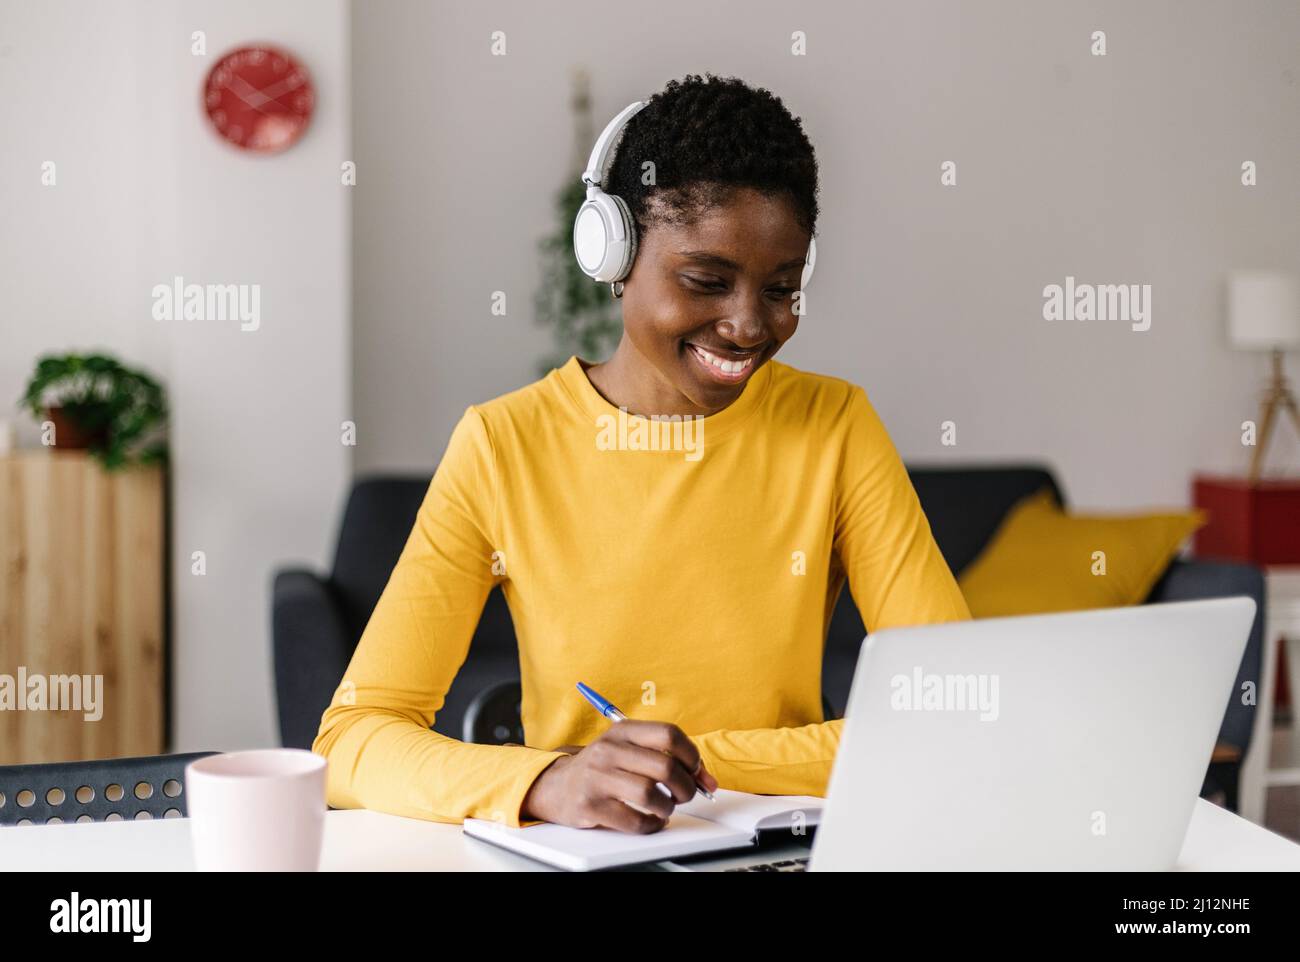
(604, 234)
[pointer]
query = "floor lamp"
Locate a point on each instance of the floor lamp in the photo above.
(1264, 315)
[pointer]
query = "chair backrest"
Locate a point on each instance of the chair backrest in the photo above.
(101, 790)
(378, 520)
(376, 524)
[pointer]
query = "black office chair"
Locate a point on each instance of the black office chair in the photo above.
(99, 790)
(492, 717)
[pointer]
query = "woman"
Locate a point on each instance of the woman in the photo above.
(691, 582)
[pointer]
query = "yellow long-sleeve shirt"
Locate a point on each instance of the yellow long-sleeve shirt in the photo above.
(685, 571)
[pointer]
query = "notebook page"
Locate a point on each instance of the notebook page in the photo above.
(750, 813)
(587, 849)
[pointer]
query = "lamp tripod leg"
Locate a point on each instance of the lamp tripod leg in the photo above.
(1278, 395)
(1290, 403)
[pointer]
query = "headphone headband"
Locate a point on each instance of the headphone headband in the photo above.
(602, 155)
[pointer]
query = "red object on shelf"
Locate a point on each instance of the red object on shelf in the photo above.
(1255, 521)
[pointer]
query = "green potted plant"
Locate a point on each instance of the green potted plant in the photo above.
(96, 404)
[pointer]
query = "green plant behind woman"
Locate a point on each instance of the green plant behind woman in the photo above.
(114, 412)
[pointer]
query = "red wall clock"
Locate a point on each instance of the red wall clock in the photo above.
(259, 98)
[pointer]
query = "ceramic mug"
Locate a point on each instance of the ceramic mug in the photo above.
(257, 811)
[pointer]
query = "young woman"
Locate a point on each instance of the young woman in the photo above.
(691, 582)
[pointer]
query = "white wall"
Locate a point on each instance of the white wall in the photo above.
(146, 192)
(259, 454)
(1123, 168)
(70, 254)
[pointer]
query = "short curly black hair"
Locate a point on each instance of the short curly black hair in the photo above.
(707, 136)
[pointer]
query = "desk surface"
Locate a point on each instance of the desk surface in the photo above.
(359, 840)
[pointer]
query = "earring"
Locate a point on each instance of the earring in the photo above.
(616, 289)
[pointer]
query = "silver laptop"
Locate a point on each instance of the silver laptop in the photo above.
(1074, 741)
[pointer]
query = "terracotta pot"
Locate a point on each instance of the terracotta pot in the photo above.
(69, 436)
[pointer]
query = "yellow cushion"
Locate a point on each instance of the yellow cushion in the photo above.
(1041, 559)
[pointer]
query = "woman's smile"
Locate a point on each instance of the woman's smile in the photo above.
(721, 365)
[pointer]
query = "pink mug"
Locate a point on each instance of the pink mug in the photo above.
(257, 811)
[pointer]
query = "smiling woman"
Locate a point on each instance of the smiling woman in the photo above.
(704, 580)
(722, 235)
(707, 303)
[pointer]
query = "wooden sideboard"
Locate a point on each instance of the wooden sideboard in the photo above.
(81, 594)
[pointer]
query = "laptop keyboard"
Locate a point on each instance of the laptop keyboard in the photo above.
(787, 865)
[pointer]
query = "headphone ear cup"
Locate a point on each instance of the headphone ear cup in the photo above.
(591, 237)
(604, 237)
(624, 266)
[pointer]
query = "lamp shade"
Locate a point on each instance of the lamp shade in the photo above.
(1263, 310)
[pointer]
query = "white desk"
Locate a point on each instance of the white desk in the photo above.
(359, 840)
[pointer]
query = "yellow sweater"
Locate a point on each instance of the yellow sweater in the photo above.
(687, 571)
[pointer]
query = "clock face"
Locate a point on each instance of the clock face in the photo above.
(259, 98)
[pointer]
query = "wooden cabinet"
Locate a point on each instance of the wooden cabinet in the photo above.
(81, 608)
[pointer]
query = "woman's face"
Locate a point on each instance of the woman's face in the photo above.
(716, 292)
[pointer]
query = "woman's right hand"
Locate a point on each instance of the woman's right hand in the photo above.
(604, 783)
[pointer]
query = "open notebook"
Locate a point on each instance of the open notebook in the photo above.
(732, 821)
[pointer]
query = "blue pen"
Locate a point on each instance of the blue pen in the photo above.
(606, 708)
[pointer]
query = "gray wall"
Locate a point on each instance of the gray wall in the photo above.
(146, 191)
(1116, 169)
